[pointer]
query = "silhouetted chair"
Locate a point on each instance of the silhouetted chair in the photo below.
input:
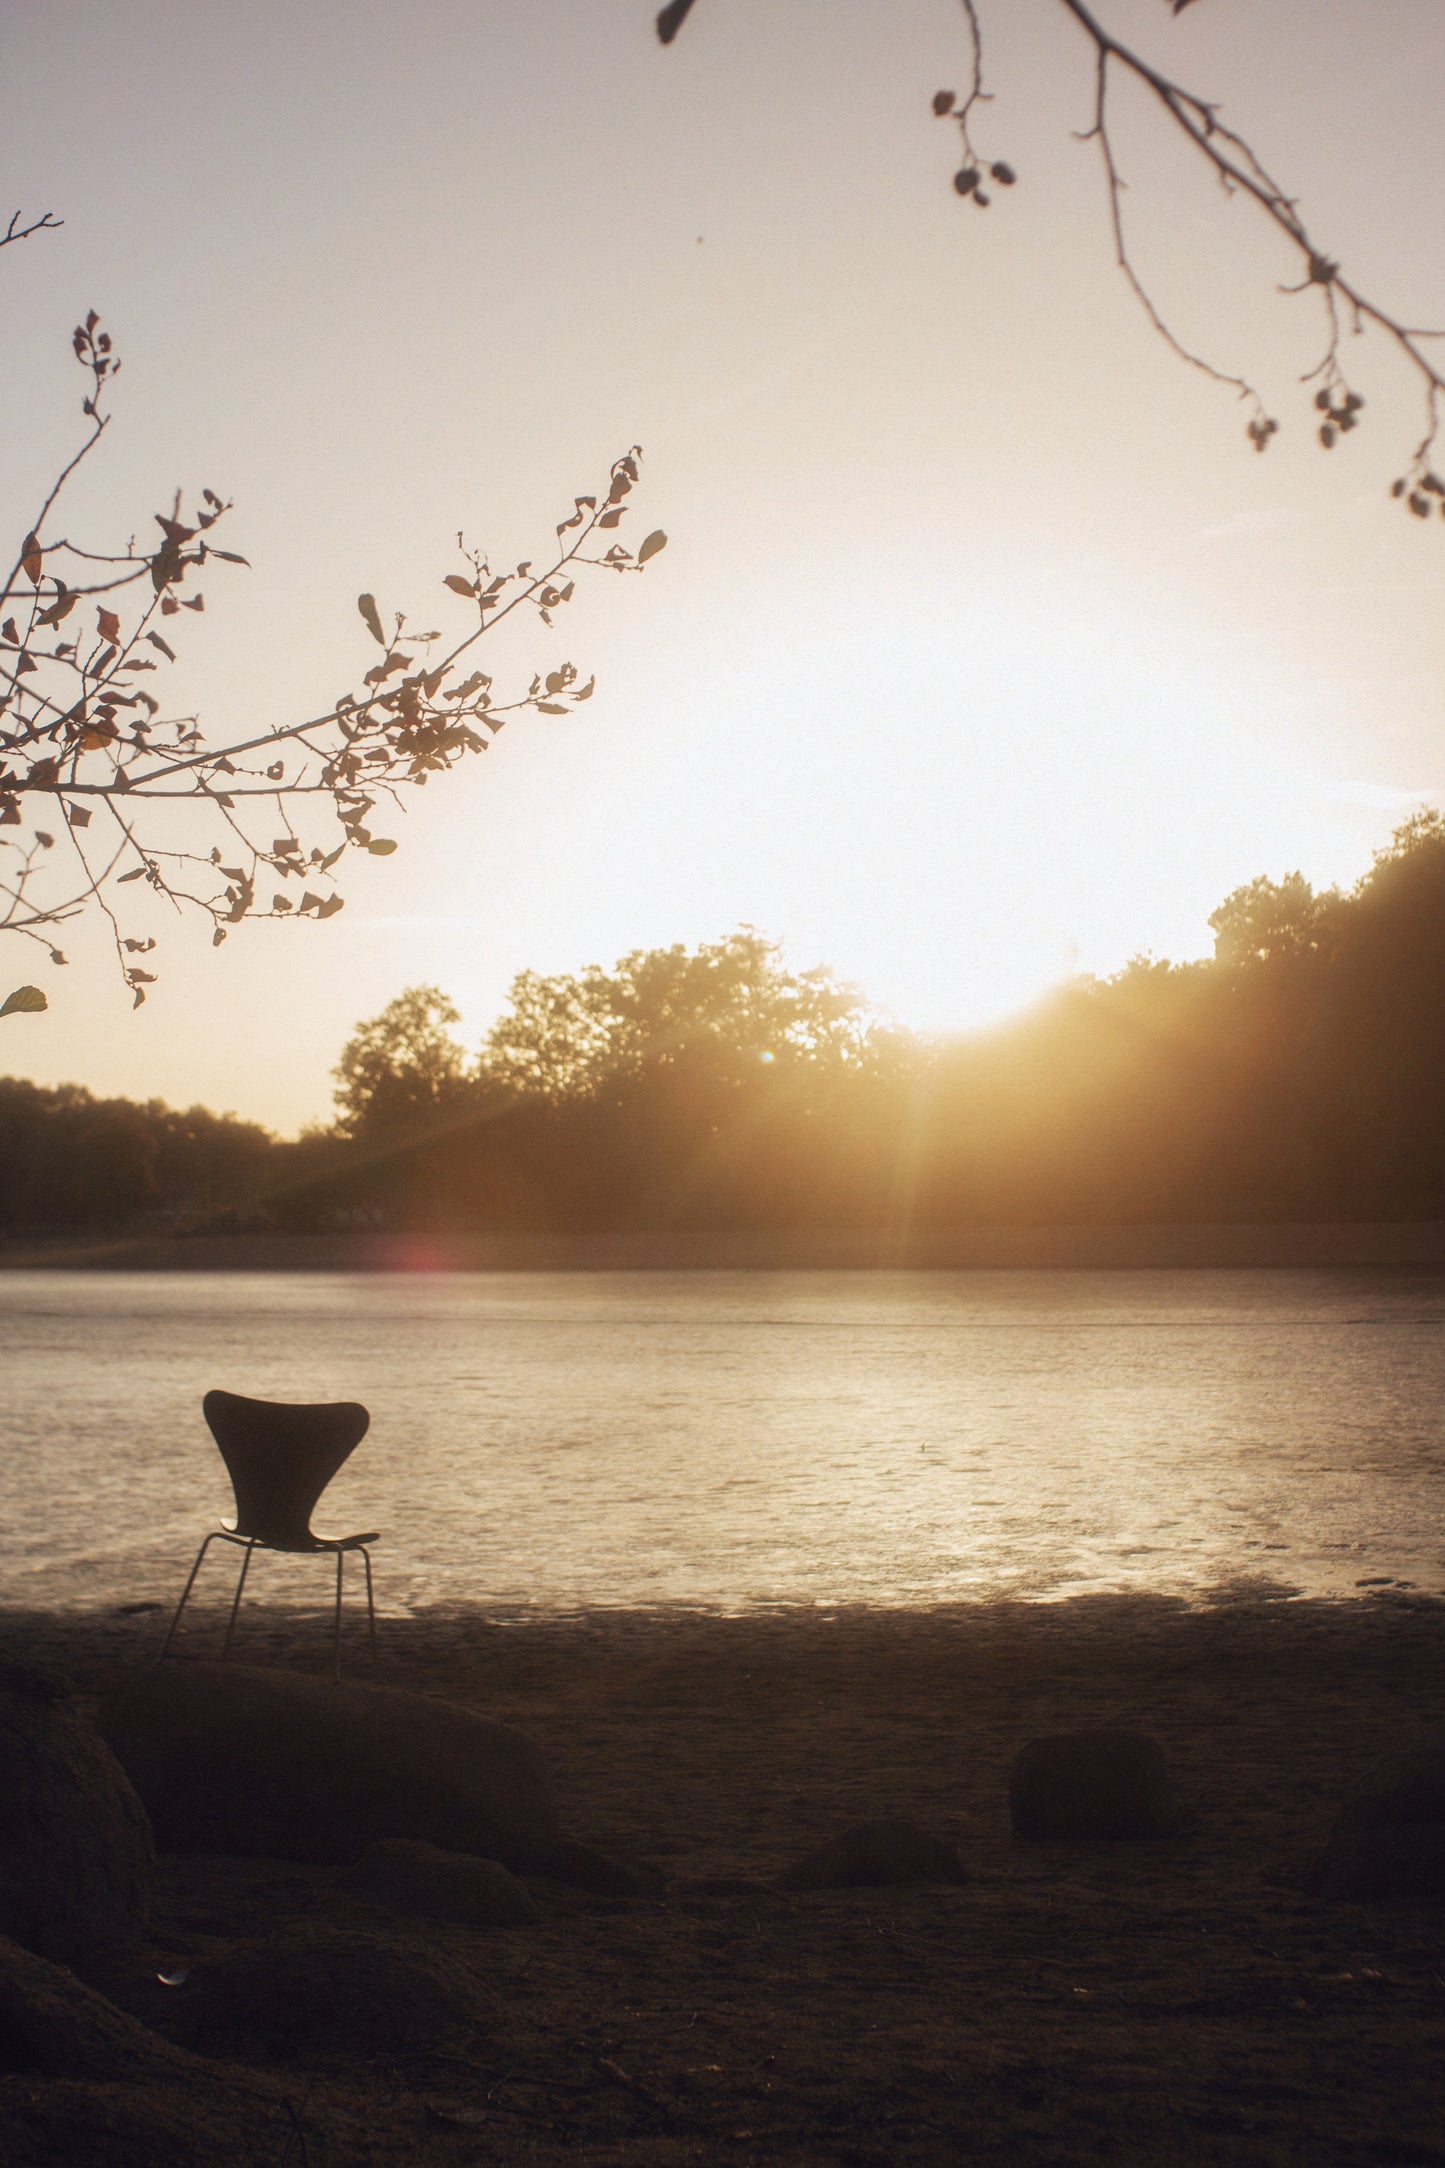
(280, 1458)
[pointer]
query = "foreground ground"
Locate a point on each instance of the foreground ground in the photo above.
(1180, 2001)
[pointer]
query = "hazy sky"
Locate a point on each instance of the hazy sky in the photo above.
(984, 648)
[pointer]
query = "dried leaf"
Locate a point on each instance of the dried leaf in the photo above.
(109, 624)
(31, 559)
(331, 906)
(24, 1001)
(459, 586)
(164, 645)
(656, 541)
(381, 847)
(367, 606)
(550, 707)
(134, 875)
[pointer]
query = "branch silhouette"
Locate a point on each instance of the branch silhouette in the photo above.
(1240, 171)
(106, 787)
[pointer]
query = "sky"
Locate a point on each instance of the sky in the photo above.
(983, 651)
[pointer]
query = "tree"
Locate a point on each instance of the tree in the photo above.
(727, 1011)
(1266, 920)
(110, 796)
(1239, 170)
(401, 1070)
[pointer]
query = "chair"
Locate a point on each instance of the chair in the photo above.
(280, 1458)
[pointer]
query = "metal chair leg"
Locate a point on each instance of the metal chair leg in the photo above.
(370, 1604)
(340, 1561)
(236, 1601)
(185, 1593)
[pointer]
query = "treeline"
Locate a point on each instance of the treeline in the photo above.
(1298, 1074)
(74, 1162)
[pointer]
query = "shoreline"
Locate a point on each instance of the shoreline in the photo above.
(1191, 1991)
(1201, 1246)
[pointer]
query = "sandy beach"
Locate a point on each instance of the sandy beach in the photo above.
(1185, 2000)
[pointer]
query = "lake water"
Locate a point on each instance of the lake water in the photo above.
(737, 1440)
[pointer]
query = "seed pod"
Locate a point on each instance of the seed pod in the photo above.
(1322, 401)
(1004, 174)
(1353, 402)
(980, 199)
(1397, 489)
(1345, 418)
(1419, 505)
(1327, 435)
(943, 102)
(966, 181)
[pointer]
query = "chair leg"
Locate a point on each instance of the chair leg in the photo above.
(185, 1592)
(236, 1602)
(370, 1604)
(340, 1561)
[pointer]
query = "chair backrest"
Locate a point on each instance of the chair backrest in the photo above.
(280, 1458)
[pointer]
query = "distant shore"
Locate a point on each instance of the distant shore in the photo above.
(1092, 1248)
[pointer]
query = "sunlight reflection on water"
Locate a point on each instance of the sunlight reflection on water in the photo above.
(741, 1439)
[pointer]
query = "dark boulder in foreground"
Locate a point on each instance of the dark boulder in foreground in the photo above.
(1406, 1787)
(1085, 1785)
(282, 1765)
(1388, 1844)
(874, 1855)
(76, 1853)
(322, 1991)
(415, 1877)
(1402, 1864)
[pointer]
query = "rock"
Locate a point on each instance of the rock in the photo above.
(54, 2026)
(418, 1877)
(1388, 1843)
(279, 1764)
(1403, 1863)
(1092, 1784)
(320, 1991)
(1406, 1787)
(874, 1855)
(76, 1852)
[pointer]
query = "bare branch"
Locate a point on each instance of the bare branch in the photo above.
(82, 732)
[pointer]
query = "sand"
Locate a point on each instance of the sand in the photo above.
(1185, 2000)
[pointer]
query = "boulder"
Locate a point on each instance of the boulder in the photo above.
(1092, 1784)
(278, 1764)
(317, 1991)
(1388, 1842)
(1401, 1864)
(76, 1852)
(54, 2026)
(874, 1855)
(1405, 1787)
(415, 1877)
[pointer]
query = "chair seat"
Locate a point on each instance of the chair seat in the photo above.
(302, 1546)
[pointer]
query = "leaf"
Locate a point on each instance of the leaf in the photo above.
(134, 875)
(656, 541)
(285, 846)
(330, 860)
(550, 707)
(78, 816)
(231, 557)
(367, 606)
(31, 560)
(141, 978)
(381, 847)
(109, 624)
(459, 586)
(943, 102)
(276, 770)
(164, 645)
(25, 1001)
(331, 906)
(610, 519)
